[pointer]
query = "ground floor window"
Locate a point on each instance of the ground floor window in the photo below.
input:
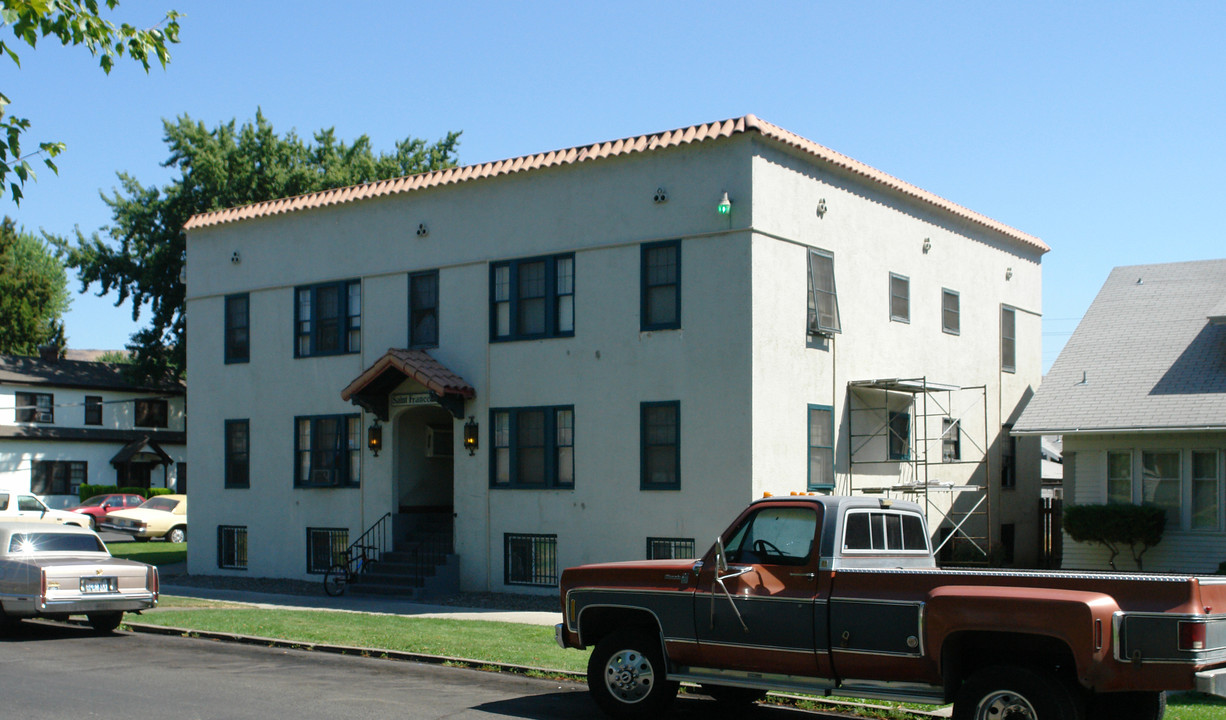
(534, 447)
(821, 447)
(663, 548)
(660, 445)
(1187, 484)
(530, 560)
(325, 548)
(328, 449)
(232, 547)
(57, 477)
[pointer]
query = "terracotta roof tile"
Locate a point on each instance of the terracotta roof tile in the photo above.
(418, 365)
(624, 146)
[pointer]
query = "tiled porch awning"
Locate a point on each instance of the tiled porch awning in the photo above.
(373, 387)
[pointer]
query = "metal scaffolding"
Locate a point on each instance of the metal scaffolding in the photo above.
(925, 429)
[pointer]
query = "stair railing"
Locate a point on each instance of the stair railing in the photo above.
(377, 540)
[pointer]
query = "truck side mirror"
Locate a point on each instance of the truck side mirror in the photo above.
(721, 557)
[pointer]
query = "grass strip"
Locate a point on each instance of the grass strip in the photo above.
(154, 553)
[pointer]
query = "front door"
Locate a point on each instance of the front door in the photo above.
(769, 613)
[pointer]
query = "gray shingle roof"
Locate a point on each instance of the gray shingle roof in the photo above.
(21, 370)
(1148, 354)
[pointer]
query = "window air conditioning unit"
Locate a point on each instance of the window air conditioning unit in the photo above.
(440, 442)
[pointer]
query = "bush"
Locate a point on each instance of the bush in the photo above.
(86, 492)
(1113, 526)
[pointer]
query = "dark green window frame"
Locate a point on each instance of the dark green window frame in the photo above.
(532, 298)
(327, 451)
(660, 445)
(238, 329)
(660, 286)
(1008, 339)
(525, 438)
(232, 547)
(238, 454)
(423, 309)
(328, 319)
(821, 447)
(93, 409)
(900, 298)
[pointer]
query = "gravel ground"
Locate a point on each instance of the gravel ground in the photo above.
(172, 575)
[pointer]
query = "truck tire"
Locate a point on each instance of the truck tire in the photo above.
(1004, 692)
(1128, 706)
(627, 677)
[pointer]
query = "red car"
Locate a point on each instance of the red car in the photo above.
(99, 505)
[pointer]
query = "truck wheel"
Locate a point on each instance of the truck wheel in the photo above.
(104, 622)
(626, 675)
(1016, 693)
(1128, 706)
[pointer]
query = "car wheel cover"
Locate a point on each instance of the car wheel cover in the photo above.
(1004, 705)
(629, 676)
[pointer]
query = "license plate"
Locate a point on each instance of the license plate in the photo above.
(99, 584)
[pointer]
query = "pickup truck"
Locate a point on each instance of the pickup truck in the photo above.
(841, 596)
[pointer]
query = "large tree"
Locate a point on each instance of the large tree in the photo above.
(33, 292)
(140, 256)
(71, 22)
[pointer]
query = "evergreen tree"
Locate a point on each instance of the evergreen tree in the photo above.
(33, 292)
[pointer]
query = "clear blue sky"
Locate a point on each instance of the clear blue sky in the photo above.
(1095, 125)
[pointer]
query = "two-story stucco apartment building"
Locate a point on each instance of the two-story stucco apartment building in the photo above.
(65, 422)
(603, 352)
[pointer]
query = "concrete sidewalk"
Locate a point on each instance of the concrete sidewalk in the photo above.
(361, 603)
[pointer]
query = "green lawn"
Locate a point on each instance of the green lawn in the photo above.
(154, 553)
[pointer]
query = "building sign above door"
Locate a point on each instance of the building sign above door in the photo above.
(413, 399)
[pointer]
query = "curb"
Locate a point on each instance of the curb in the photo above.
(399, 655)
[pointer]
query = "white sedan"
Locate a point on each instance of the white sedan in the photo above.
(54, 571)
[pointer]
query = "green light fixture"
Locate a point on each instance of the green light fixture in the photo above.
(725, 205)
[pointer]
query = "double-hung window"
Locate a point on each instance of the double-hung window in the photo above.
(951, 440)
(821, 447)
(951, 312)
(35, 407)
(900, 298)
(93, 409)
(823, 298)
(1206, 496)
(899, 440)
(327, 451)
(1119, 477)
(328, 319)
(423, 309)
(660, 445)
(238, 453)
(57, 477)
(238, 325)
(534, 447)
(532, 298)
(1161, 484)
(660, 296)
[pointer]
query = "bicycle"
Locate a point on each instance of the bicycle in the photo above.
(357, 559)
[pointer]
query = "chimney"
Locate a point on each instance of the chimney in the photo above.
(49, 353)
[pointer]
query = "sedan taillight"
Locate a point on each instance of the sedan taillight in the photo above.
(152, 581)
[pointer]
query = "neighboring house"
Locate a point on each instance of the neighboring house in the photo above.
(1139, 394)
(604, 352)
(64, 423)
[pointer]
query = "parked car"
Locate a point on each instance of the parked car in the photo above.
(161, 516)
(27, 507)
(53, 571)
(99, 505)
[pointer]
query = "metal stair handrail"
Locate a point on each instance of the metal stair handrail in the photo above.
(376, 539)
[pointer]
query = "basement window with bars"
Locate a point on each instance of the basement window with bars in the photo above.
(663, 548)
(530, 560)
(325, 548)
(232, 547)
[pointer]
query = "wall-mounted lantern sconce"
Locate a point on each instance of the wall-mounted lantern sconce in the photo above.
(470, 435)
(927, 245)
(374, 437)
(725, 205)
(821, 208)
(1008, 273)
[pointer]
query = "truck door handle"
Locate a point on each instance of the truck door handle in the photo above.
(809, 576)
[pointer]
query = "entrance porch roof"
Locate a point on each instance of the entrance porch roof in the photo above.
(372, 389)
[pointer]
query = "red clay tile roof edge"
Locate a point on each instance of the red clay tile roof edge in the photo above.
(625, 146)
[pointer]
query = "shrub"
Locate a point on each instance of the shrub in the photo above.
(86, 492)
(1113, 526)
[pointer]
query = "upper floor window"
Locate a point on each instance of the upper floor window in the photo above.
(328, 319)
(238, 453)
(660, 299)
(660, 445)
(423, 309)
(951, 439)
(533, 447)
(327, 451)
(900, 298)
(951, 312)
(35, 407)
(152, 412)
(238, 336)
(823, 299)
(532, 298)
(93, 410)
(821, 447)
(1008, 339)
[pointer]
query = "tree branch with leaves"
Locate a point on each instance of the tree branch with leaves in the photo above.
(72, 23)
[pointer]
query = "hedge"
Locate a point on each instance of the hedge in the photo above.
(1115, 525)
(86, 492)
